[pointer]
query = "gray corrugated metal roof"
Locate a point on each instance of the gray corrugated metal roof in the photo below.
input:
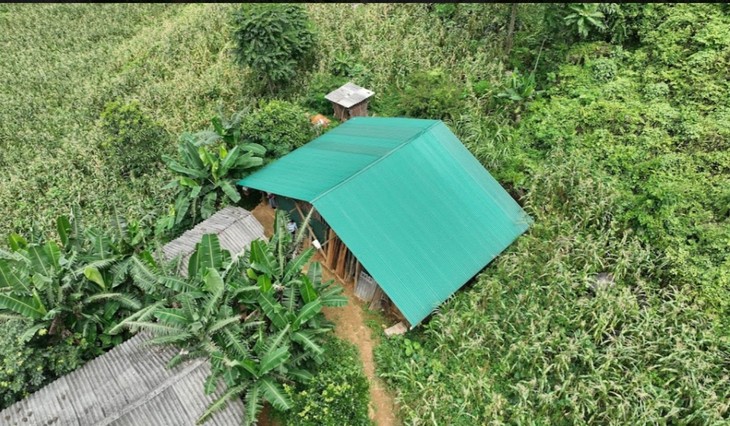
(127, 386)
(348, 95)
(131, 385)
(235, 227)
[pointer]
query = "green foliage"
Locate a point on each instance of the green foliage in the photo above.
(134, 142)
(337, 395)
(257, 318)
(25, 368)
(275, 40)
(431, 94)
(60, 75)
(617, 169)
(279, 126)
(517, 92)
(584, 18)
(319, 86)
(79, 289)
(208, 166)
(624, 143)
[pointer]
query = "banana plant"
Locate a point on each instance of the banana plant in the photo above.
(258, 318)
(206, 175)
(584, 18)
(79, 288)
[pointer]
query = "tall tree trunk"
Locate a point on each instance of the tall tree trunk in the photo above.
(511, 29)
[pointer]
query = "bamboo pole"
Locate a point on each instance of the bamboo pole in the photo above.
(340, 271)
(332, 241)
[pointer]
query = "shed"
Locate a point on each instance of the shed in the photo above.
(349, 101)
(130, 385)
(404, 201)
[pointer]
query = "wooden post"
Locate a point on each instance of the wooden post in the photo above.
(340, 271)
(357, 270)
(375, 303)
(331, 240)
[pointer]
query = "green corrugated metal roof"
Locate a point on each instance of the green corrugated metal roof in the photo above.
(421, 214)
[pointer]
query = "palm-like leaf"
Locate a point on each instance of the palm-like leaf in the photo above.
(143, 315)
(272, 309)
(122, 298)
(253, 405)
(273, 358)
(173, 317)
(221, 402)
(30, 307)
(157, 328)
(307, 312)
(307, 340)
(13, 277)
(274, 394)
(261, 259)
(221, 324)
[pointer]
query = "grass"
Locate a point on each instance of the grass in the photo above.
(57, 76)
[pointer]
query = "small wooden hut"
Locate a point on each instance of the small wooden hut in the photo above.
(350, 100)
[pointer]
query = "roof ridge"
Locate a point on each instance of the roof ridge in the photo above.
(154, 393)
(387, 154)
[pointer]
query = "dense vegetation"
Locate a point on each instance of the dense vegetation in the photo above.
(337, 394)
(607, 122)
(257, 317)
(623, 163)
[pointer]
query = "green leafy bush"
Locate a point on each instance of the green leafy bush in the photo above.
(275, 40)
(26, 368)
(430, 94)
(337, 395)
(208, 165)
(133, 141)
(79, 289)
(320, 85)
(279, 126)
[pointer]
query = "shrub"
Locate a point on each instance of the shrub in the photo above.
(77, 290)
(24, 368)
(275, 40)
(319, 85)
(133, 142)
(206, 172)
(429, 94)
(279, 126)
(337, 395)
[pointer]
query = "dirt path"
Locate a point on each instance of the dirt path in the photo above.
(350, 326)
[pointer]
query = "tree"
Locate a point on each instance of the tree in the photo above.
(133, 140)
(511, 29)
(257, 318)
(275, 40)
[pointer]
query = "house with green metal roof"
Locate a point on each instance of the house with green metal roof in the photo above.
(411, 204)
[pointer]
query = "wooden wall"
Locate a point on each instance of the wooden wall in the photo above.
(358, 110)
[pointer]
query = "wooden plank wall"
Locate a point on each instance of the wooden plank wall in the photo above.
(339, 259)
